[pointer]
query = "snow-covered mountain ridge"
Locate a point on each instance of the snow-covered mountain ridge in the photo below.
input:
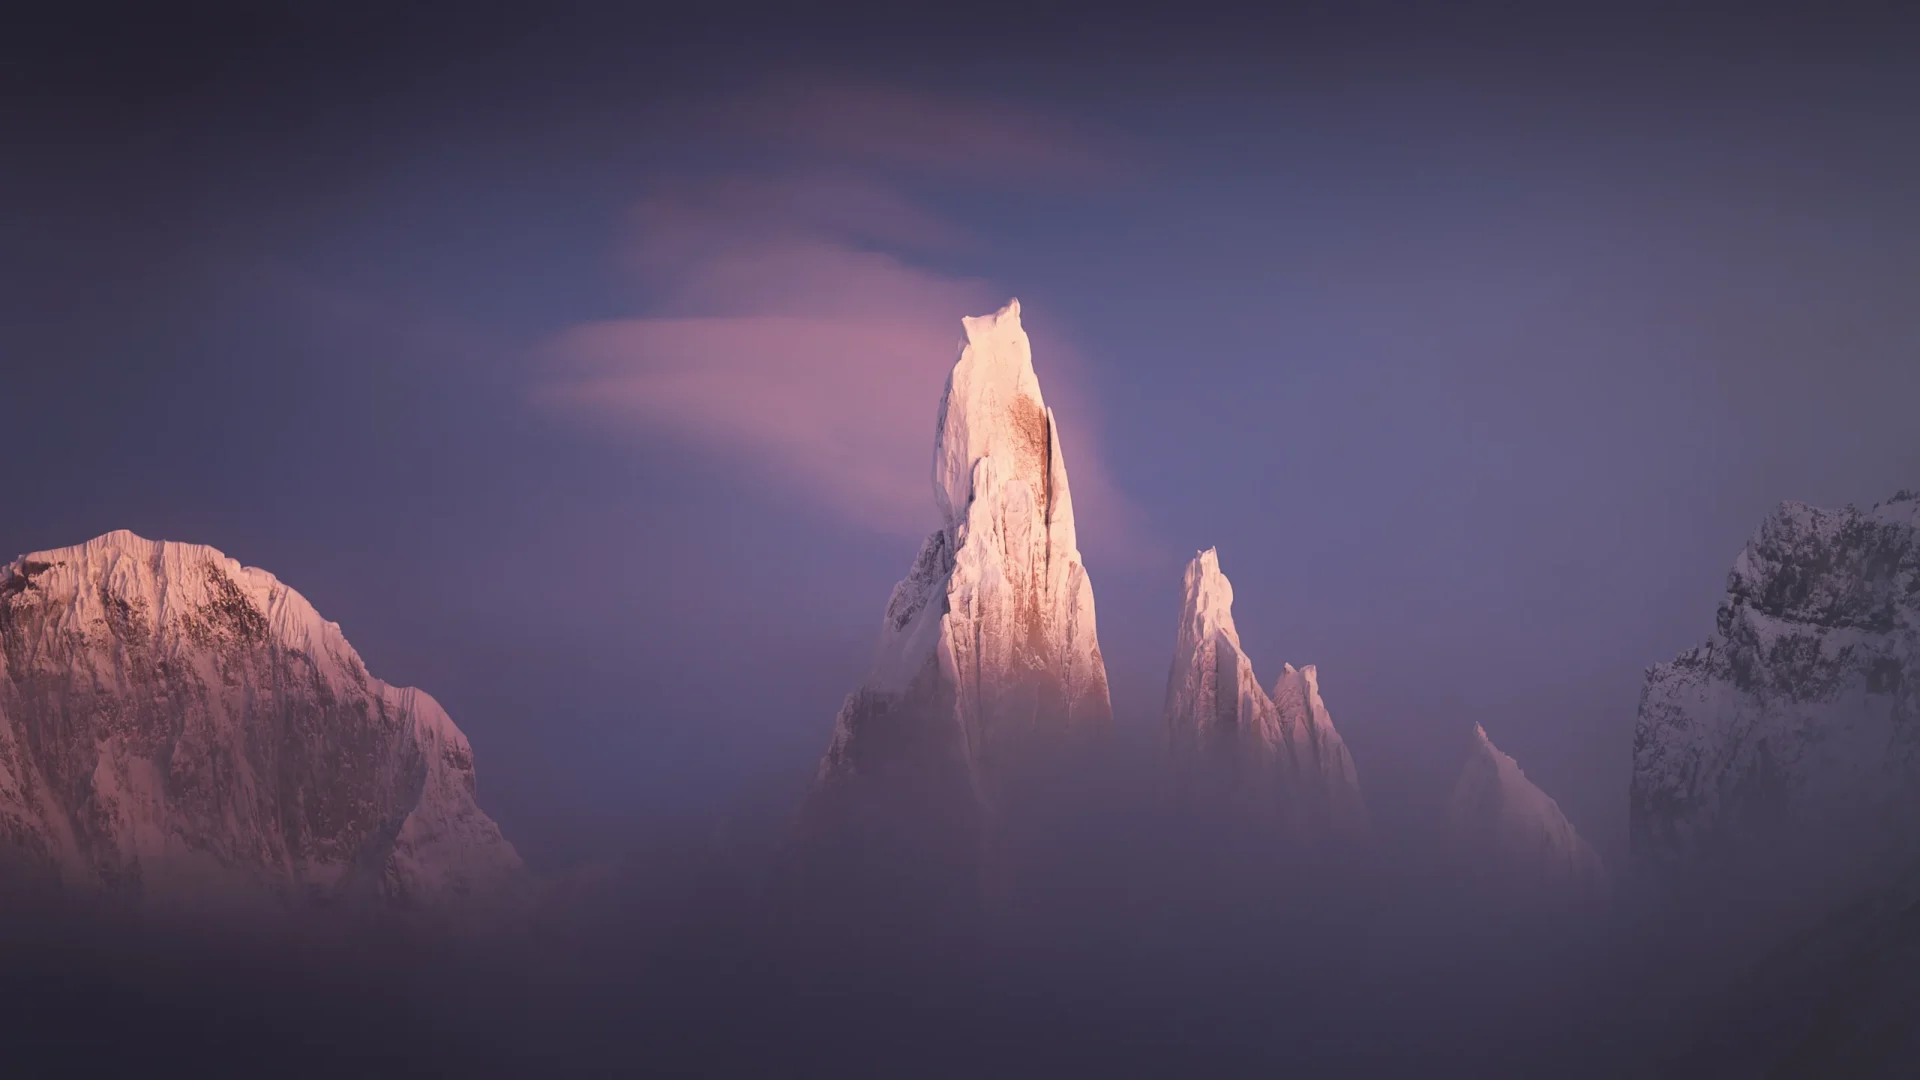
(175, 726)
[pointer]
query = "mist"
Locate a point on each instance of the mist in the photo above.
(1140, 941)
(580, 364)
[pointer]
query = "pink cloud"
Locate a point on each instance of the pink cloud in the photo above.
(798, 273)
(774, 338)
(831, 410)
(786, 325)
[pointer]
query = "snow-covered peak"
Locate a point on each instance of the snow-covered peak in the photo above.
(989, 658)
(1847, 568)
(1212, 694)
(1325, 768)
(1306, 678)
(1005, 321)
(992, 408)
(172, 581)
(1206, 607)
(1210, 598)
(1785, 743)
(1493, 773)
(228, 739)
(1007, 554)
(1511, 835)
(1277, 756)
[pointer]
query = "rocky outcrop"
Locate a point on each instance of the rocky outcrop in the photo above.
(1791, 738)
(175, 727)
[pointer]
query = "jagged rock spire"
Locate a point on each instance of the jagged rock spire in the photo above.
(1329, 789)
(1276, 756)
(1217, 715)
(988, 653)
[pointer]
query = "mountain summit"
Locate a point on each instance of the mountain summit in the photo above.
(176, 728)
(1792, 736)
(988, 657)
(1509, 837)
(1276, 756)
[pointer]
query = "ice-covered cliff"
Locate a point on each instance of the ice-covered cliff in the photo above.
(1792, 736)
(1506, 836)
(1275, 756)
(176, 728)
(988, 657)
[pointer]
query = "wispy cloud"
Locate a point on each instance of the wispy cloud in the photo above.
(795, 319)
(830, 409)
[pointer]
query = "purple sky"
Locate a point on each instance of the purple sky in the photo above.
(584, 368)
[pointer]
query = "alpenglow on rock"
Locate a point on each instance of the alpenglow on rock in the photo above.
(988, 655)
(1794, 732)
(1275, 757)
(177, 728)
(1505, 835)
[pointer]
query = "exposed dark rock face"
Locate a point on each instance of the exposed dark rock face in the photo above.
(1795, 730)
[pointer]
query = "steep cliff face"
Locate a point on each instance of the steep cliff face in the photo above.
(988, 656)
(1509, 838)
(1794, 732)
(175, 727)
(1277, 757)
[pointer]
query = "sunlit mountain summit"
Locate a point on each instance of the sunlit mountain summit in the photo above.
(989, 659)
